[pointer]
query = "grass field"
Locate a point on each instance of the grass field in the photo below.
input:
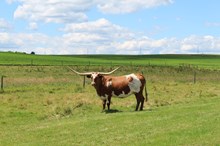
(201, 61)
(47, 105)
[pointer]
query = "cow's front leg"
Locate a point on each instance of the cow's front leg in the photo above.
(103, 104)
(109, 102)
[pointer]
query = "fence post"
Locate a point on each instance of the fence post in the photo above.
(194, 80)
(84, 81)
(2, 83)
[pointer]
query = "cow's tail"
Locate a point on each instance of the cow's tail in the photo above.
(145, 89)
(146, 93)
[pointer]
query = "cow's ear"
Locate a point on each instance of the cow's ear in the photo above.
(88, 76)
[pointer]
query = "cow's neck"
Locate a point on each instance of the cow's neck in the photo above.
(98, 90)
(101, 88)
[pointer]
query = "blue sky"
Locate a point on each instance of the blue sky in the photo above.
(112, 27)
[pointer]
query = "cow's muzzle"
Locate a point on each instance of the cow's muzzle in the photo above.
(93, 83)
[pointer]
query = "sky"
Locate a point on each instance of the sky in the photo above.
(110, 27)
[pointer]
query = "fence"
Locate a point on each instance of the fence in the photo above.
(153, 73)
(165, 74)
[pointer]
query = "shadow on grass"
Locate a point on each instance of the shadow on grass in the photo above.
(111, 111)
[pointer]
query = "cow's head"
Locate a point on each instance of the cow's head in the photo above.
(96, 77)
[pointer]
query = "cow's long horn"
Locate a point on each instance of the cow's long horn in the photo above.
(107, 73)
(81, 74)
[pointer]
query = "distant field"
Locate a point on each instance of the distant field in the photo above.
(44, 103)
(201, 61)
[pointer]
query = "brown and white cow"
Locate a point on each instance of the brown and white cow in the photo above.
(119, 86)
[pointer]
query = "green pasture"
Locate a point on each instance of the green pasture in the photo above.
(46, 104)
(201, 61)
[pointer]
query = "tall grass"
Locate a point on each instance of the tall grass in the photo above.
(58, 91)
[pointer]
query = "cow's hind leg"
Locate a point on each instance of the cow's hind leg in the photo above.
(140, 100)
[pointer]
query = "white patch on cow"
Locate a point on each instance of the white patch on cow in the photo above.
(108, 83)
(135, 84)
(93, 76)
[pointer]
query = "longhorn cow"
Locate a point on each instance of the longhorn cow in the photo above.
(119, 86)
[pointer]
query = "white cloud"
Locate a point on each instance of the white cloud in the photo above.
(201, 44)
(57, 11)
(191, 44)
(4, 25)
(80, 36)
(187, 47)
(25, 42)
(128, 6)
(90, 43)
(212, 24)
(33, 26)
(100, 30)
(10, 1)
(95, 37)
(147, 45)
(68, 11)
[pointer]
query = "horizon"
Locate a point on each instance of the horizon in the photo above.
(27, 53)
